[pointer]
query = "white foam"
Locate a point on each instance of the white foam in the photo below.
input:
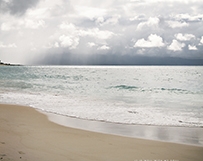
(100, 110)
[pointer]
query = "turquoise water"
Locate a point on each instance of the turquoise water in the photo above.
(151, 95)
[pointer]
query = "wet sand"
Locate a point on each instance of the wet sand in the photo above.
(26, 134)
(174, 134)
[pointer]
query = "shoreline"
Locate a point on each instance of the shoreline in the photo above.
(172, 134)
(26, 134)
(49, 113)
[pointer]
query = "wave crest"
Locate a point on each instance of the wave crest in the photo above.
(125, 87)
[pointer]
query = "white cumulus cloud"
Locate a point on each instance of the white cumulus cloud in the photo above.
(103, 47)
(176, 46)
(189, 17)
(152, 21)
(184, 37)
(91, 44)
(97, 33)
(192, 47)
(152, 41)
(177, 24)
(67, 26)
(68, 41)
(201, 41)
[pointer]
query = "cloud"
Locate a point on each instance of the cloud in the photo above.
(90, 12)
(78, 31)
(100, 29)
(152, 41)
(34, 24)
(72, 35)
(111, 20)
(97, 33)
(67, 26)
(17, 7)
(152, 22)
(56, 45)
(13, 45)
(7, 27)
(38, 13)
(176, 46)
(103, 47)
(137, 17)
(91, 44)
(100, 20)
(22, 24)
(115, 59)
(188, 17)
(201, 41)
(177, 24)
(68, 41)
(191, 47)
(185, 37)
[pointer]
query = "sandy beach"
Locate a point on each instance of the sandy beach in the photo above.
(26, 134)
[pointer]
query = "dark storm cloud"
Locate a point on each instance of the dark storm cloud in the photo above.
(116, 58)
(17, 7)
(111, 59)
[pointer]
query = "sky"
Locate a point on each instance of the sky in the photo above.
(92, 32)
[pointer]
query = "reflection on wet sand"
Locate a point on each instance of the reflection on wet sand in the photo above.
(183, 135)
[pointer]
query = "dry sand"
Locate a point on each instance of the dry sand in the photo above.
(26, 134)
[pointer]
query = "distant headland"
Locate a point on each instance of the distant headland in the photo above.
(8, 64)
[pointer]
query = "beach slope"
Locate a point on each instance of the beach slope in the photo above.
(26, 134)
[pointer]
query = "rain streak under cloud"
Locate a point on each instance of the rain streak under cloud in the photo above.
(101, 32)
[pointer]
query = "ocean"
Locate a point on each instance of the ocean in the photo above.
(140, 95)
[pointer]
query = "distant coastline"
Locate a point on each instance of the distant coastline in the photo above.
(8, 64)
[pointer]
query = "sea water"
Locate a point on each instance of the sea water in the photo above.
(145, 95)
